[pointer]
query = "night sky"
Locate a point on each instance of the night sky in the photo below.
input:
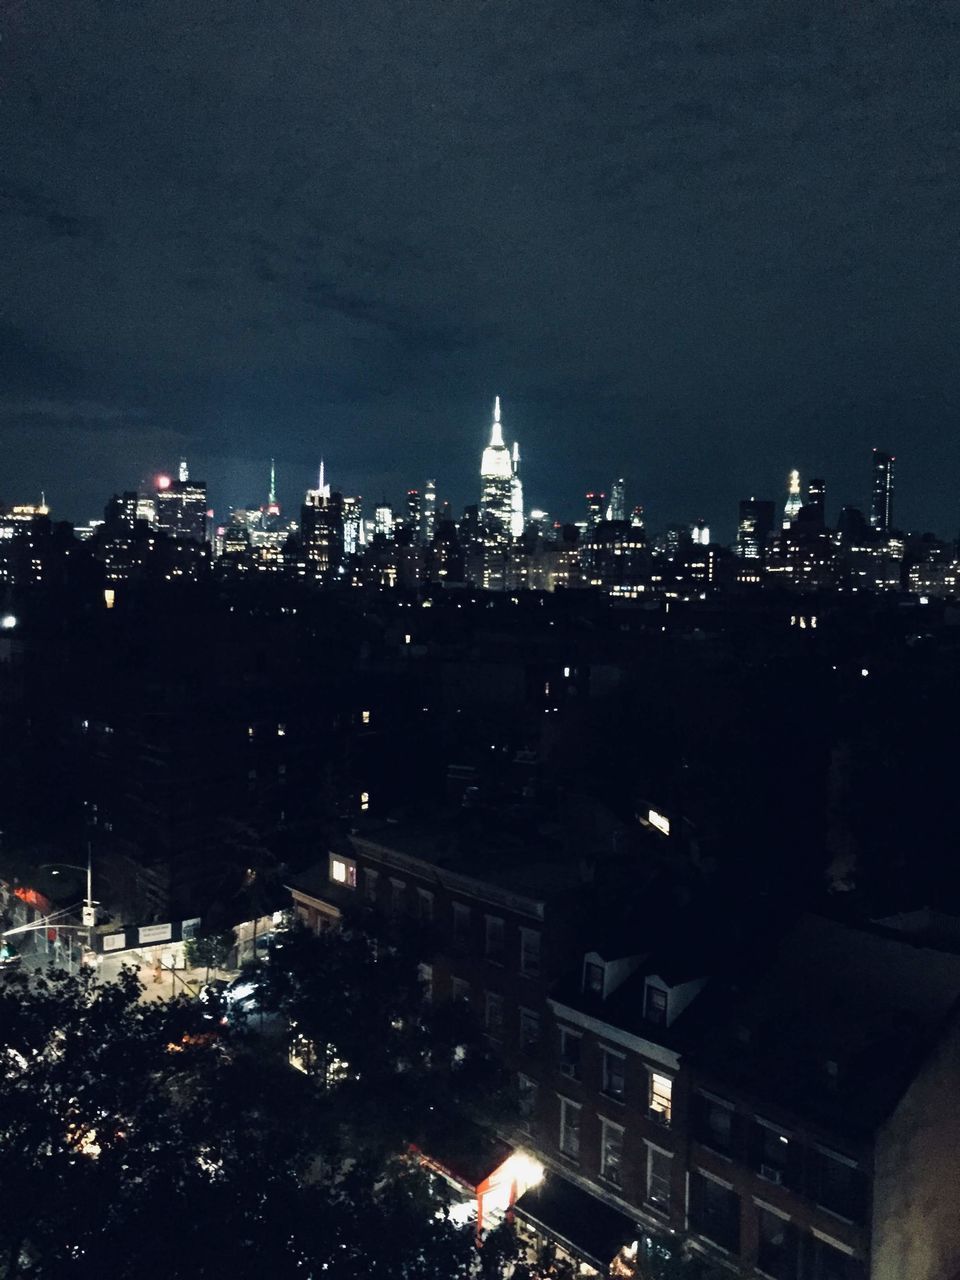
(693, 242)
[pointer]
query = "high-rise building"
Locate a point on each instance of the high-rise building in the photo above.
(383, 520)
(817, 498)
(794, 502)
(414, 513)
(754, 528)
(596, 509)
(321, 530)
(617, 509)
(354, 535)
(496, 504)
(428, 513)
(181, 505)
(700, 534)
(881, 500)
(516, 495)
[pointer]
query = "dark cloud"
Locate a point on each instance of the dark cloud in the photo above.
(694, 244)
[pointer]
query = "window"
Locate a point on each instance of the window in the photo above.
(655, 1007)
(611, 1151)
(397, 896)
(370, 879)
(661, 1098)
(426, 980)
(493, 1015)
(613, 1073)
(494, 949)
(831, 1262)
(593, 974)
(777, 1254)
(364, 717)
(364, 801)
(773, 1152)
(659, 1167)
(715, 1124)
(570, 1128)
(530, 952)
(715, 1211)
(424, 905)
(529, 1030)
(570, 1053)
(459, 989)
(343, 871)
(461, 923)
(527, 1100)
(838, 1185)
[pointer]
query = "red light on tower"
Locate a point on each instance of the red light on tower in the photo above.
(163, 482)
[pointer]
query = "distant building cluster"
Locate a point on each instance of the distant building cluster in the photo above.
(498, 544)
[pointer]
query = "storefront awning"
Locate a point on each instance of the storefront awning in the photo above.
(580, 1223)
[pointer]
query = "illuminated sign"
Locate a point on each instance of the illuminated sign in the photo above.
(154, 933)
(659, 820)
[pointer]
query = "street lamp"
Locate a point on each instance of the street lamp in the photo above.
(89, 913)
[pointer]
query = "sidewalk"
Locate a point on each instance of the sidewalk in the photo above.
(173, 982)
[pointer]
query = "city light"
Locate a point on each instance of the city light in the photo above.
(8, 622)
(163, 482)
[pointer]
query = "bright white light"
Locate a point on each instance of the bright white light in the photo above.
(338, 870)
(864, 671)
(8, 622)
(659, 820)
(163, 482)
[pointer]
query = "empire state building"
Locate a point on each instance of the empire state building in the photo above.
(501, 503)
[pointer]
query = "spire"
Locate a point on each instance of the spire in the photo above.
(272, 498)
(496, 435)
(323, 488)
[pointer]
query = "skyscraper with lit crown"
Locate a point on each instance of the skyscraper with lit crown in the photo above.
(501, 502)
(794, 501)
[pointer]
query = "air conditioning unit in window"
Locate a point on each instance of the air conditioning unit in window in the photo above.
(569, 1069)
(770, 1173)
(659, 1116)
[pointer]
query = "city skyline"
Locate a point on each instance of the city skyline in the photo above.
(727, 275)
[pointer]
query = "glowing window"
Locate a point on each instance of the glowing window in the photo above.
(343, 871)
(364, 717)
(661, 1097)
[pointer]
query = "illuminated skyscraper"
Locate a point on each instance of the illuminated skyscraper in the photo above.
(596, 509)
(181, 505)
(414, 510)
(617, 510)
(754, 528)
(881, 502)
(428, 514)
(496, 504)
(817, 498)
(794, 501)
(516, 495)
(321, 530)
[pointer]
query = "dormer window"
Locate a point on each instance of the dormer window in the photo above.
(593, 976)
(655, 1005)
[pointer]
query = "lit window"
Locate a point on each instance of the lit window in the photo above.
(281, 730)
(343, 871)
(364, 801)
(570, 1128)
(611, 1151)
(661, 1097)
(364, 717)
(530, 952)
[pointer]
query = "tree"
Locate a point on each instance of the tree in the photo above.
(394, 1067)
(209, 950)
(140, 1139)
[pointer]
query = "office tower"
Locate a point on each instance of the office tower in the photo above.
(700, 534)
(817, 498)
(881, 501)
(516, 495)
(181, 506)
(617, 508)
(496, 504)
(272, 507)
(414, 512)
(383, 520)
(321, 530)
(794, 501)
(595, 509)
(354, 537)
(428, 512)
(754, 527)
